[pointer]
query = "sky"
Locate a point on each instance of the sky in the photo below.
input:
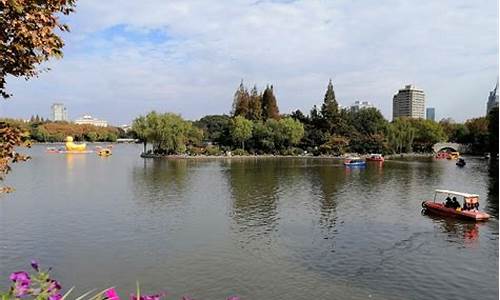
(126, 58)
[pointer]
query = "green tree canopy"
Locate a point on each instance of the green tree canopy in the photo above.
(215, 128)
(241, 130)
(167, 132)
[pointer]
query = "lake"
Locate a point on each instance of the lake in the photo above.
(270, 228)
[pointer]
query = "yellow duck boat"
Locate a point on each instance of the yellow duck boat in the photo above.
(72, 147)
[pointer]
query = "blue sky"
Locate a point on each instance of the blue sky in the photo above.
(125, 58)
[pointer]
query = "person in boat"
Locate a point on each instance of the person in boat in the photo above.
(448, 202)
(467, 205)
(455, 204)
(474, 204)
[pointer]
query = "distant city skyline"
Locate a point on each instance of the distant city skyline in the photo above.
(189, 57)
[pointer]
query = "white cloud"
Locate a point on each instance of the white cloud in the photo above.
(370, 49)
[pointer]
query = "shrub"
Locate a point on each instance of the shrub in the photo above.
(239, 152)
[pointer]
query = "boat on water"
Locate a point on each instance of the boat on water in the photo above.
(375, 157)
(354, 162)
(461, 162)
(469, 211)
(104, 152)
(453, 155)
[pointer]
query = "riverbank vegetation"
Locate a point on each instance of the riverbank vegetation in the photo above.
(39, 130)
(255, 126)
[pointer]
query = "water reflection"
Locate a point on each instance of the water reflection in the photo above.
(463, 232)
(254, 191)
(327, 182)
(160, 180)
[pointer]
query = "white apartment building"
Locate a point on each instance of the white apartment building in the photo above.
(360, 105)
(89, 120)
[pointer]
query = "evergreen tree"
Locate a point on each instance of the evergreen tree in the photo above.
(269, 104)
(241, 101)
(330, 108)
(255, 105)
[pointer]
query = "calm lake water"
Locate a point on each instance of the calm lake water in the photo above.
(259, 228)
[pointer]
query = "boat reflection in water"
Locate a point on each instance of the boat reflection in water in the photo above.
(461, 231)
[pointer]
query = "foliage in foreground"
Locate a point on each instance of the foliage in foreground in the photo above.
(40, 286)
(10, 138)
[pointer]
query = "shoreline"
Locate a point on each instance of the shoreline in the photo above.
(268, 156)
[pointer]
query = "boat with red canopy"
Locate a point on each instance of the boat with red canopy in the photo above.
(468, 211)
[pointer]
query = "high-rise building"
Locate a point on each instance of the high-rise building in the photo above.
(492, 99)
(430, 113)
(59, 112)
(409, 102)
(359, 105)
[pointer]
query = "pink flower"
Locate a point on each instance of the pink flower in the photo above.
(111, 294)
(55, 297)
(20, 276)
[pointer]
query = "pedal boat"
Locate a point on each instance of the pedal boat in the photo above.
(354, 162)
(375, 157)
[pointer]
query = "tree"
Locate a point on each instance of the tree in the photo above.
(28, 36)
(269, 105)
(254, 105)
(10, 138)
(335, 145)
(241, 130)
(427, 133)
(329, 108)
(291, 130)
(215, 128)
(241, 101)
(91, 136)
(493, 131)
(27, 39)
(400, 135)
(478, 136)
(139, 127)
(368, 121)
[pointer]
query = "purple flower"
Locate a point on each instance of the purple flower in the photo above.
(54, 286)
(34, 265)
(22, 283)
(233, 298)
(148, 297)
(20, 276)
(55, 297)
(20, 289)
